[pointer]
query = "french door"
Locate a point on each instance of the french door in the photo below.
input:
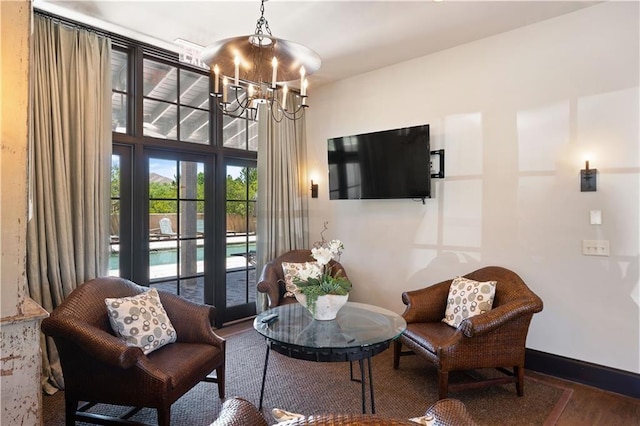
(179, 227)
(185, 229)
(241, 186)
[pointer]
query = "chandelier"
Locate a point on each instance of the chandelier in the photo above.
(257, 69)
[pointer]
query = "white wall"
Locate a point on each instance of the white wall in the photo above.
(516, 114)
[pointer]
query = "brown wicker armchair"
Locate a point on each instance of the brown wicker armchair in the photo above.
(240, 412)
(272, 282)
(494, 339)
(99, 367)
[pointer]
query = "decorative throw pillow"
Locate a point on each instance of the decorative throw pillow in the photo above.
(468, 298)
(141, 320)
(303, 271)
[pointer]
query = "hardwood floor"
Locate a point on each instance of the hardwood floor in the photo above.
(593, 406)
(587, 405)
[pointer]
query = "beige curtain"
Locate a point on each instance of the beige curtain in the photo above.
(70, 157)
(283, 189)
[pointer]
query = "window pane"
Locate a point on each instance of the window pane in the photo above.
(119, 112)
(194, 89)
(234, 132)
(252, 177)
(253, 136)
(115, 176)
(162, 178)
(119, 70)
(160, 119)
(192, 289)
(190, 258)
(191, 180)
(236, 183)
(163, 259)
(119, 74)
(194, 125)
(114, 217)
(189, 219)
(160, 81)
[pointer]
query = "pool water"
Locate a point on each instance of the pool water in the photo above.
(169, 256)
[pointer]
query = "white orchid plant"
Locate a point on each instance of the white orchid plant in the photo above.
(326, 282)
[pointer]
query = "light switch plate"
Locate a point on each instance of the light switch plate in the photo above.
(596, 217)
(595, 247)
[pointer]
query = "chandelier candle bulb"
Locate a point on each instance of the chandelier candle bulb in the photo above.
(302, 74)
(216, 84)
(274, 62)
(285, 89)
(250, 90)
(225, 83)
(236, 75)
(303, 89)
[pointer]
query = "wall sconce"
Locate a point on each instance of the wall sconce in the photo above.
(588, 178)
(314, 189)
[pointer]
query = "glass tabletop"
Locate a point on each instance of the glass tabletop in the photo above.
(357, 325)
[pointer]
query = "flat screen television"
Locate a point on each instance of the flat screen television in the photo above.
(380, 165)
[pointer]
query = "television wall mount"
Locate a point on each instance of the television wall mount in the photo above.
(439, 172)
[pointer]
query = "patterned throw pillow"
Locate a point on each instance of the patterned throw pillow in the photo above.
(141, 320)
(303, 271)
(468, 298)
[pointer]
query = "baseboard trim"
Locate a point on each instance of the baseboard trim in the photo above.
(607, 378)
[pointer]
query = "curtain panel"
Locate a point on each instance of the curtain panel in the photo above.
(283, 222)
(69, 171)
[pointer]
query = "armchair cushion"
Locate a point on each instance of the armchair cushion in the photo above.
(468, 298)
(141, 320)
(298, 270)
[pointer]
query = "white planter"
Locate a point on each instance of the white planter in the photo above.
(326, 307)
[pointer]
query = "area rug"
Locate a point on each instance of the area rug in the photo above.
(312, 388)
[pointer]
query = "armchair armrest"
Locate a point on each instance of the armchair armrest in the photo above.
(489, 321)
(192, 321)
(238, 411)
(450, 411)
(427, 304)
(96, 342)
(269, 283)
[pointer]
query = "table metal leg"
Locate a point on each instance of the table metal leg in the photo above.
(364, 406)
(362, 382)
(264, 376)
(373, 403)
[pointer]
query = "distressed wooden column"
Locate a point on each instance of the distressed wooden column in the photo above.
(20, 359)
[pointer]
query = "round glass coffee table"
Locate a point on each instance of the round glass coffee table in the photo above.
(358, 333)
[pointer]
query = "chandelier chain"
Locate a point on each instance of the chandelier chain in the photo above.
(262, 22)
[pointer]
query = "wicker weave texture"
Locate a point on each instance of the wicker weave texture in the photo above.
(271, 280)
(494, 339)
(240, 412)
(99, 367)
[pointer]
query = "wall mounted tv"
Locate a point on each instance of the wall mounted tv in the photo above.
(380, 165)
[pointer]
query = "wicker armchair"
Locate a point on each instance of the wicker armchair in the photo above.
(240, 412)
(99, 367)
(494, 339)
(272, 282)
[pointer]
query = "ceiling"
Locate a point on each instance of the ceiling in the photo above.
(351, 37)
